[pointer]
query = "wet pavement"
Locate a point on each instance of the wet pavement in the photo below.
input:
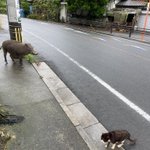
(46, 126)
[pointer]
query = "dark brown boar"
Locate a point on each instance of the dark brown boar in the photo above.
(17, 50)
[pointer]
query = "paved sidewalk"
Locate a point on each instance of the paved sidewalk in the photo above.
(46, 126)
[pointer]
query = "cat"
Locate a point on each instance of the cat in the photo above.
(117, 138)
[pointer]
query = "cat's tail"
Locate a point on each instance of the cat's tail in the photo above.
(132, 141)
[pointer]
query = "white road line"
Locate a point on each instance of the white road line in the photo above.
(69, 29)
(138, 47)
(80, 32)
(116, 39)
(43, 23)
(132, 41)
(107, 86)
(102, 39)
(77, 31)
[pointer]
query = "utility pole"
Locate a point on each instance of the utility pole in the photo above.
(146, 21)
(14, 20)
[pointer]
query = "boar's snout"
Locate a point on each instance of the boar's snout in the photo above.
(34, 52)
(30, 49)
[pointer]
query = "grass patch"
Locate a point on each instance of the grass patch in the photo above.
(31, 58)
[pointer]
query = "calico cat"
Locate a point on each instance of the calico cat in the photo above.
(116, 138)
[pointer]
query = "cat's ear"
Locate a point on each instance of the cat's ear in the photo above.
(104, 134)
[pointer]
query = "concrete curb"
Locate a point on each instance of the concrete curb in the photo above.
(84, 121)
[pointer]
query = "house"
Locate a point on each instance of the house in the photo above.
(127, 12)
(136, 4)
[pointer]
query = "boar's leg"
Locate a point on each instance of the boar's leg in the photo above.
(12, 58)
(20, 60)
(5, 53)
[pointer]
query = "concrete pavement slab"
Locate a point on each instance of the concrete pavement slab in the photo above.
(83, 115)
(67, 96)
(85, 122)
(46, 126)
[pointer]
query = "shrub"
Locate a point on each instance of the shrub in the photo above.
(34, 16)
(3, 10)
(3, 7)
(46, 9)
(94, 8)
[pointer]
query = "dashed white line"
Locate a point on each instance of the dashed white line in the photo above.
(102, 39)
(77, 31)
(116, 39)
(138, 47)
(99, 80)
(69, 29)
(43, 23)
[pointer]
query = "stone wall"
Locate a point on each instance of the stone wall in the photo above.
(81, 21)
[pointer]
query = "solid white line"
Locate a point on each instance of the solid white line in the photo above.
(107, 86)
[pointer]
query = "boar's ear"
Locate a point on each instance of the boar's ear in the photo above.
(26, 45)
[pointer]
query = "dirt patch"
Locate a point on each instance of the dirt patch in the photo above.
(5, 137)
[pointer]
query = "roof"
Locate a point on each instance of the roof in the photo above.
(131, 3)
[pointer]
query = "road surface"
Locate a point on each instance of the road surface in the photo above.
(110, 75)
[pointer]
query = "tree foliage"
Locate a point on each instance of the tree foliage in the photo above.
(25, 6)
(89, 8)
(3, 6)
(49, 9)
(46, 9)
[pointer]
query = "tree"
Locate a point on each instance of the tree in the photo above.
(93, 8)
(46, 9)
(2, 6)
(25, 6)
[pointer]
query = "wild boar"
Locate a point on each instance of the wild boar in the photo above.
(17, 50)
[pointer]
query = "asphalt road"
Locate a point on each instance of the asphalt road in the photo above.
(110, 75)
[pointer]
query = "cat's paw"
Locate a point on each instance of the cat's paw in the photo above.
(106, 146)
(119, 146)
(113, 146)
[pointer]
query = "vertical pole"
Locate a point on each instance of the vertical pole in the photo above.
(63, 11)
(111, 27)
(145, 22)
(130, 31)
(14, 20)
